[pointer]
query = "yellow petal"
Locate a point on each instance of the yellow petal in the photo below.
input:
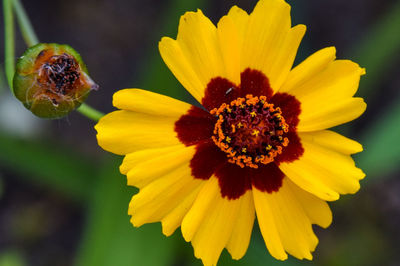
(339, 170)
(268, 226)
(310, 67)
(284, 56)
(330, 114)
(148, 102)
(241, 233)
(322, 171)
(269, 21)
(195, 57)
(141, 156)
(147, 165)
(176, 61)
(293, 225)
(317, 210)
(332, 140)
(124, 132)
(325, 89)
(230, 42)
(174, 218)
(336, 80)
(209, 222)
(270, 44)
(193, 219)
(309, 179)
(163, 195)
(231, 29)
(240, 18)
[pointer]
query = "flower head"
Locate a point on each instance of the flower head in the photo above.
(51, 80)
(258, 147)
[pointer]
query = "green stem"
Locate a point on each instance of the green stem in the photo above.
(28, 33)
(31, 39)
(9, 50)
(90, 112)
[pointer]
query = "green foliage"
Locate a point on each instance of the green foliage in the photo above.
(257, 255)
(9, 48)
(109, 238)
(381, 148)
(12, 258)
(24, 24)
(45, 164)
(378, 51)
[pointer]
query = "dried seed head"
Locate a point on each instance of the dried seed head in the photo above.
(51, 80)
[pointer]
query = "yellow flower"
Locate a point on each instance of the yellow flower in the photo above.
(207, 171)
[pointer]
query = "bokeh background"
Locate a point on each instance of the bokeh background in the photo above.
(62, 200)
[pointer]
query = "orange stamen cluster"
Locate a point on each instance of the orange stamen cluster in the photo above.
(250, 130)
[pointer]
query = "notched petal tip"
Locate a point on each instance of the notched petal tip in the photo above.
(99, 131)
(330, 49)
(363, 175)
(362, 105)
(266, 4)
(236, 9)
(327, 222)
(133, 221)
(300, 27)
(190, 15)
(329, 196)
(299, 30)
(282, 257)
(359, 148)
(163, 40)
(361, 70)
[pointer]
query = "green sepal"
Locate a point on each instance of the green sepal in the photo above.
(40, 97)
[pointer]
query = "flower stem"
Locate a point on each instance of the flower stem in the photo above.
(28, 33)
(9, 50)
(90, 112)
(31, 39)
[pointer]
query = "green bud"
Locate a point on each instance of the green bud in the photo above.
(51, 80)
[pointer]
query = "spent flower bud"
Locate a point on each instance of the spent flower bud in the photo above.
(51, 80)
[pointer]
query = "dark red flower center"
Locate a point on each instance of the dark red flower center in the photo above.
(250, 131)
(245, 134)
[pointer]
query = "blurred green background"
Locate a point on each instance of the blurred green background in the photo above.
(62, 200)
